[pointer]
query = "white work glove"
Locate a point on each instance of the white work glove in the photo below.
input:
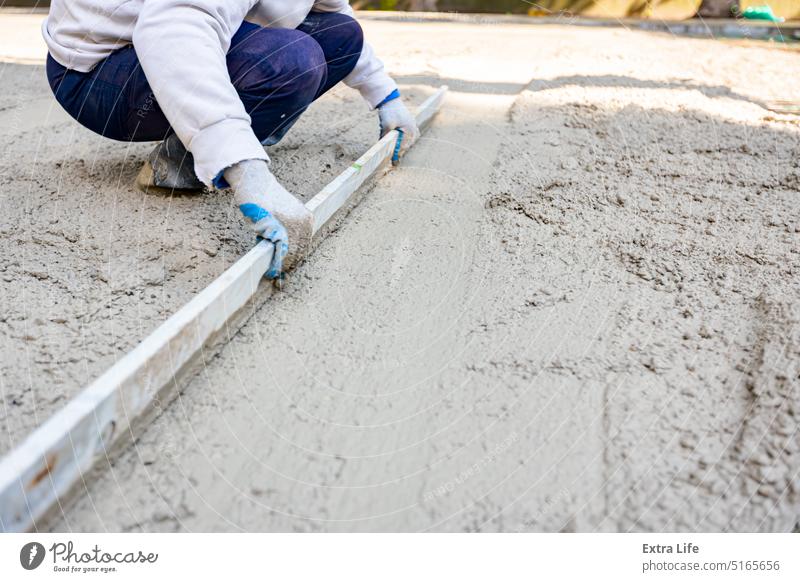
(393, 114)
(275, 215)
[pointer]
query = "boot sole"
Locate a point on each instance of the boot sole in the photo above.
(145, 181)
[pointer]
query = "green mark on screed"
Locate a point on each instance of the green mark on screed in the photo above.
(357, 166)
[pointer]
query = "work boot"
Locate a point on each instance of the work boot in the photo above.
(169, 166)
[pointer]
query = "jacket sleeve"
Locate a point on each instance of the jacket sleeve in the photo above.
(181, 45)
(368, 76)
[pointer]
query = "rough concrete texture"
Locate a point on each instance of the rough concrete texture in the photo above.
(573, 308)
(91, 264)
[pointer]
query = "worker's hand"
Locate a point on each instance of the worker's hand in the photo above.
(274, 214)
(268, 227)
(393, 114)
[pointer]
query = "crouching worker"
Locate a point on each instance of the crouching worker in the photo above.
(214, 81)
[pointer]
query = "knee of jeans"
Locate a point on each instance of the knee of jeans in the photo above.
(294, 64)
(343, 33)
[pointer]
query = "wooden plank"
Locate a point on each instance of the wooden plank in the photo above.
(48, 465)
(333, 196)
(56, 455)
(336, 194)
(785, 107)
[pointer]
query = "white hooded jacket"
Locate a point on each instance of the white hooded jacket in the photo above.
(181, 45)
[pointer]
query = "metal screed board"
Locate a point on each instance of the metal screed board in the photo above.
(48, 465)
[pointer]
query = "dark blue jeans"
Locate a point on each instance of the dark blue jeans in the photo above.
(277, 73)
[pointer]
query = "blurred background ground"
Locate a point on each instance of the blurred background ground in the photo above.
(657, 9)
